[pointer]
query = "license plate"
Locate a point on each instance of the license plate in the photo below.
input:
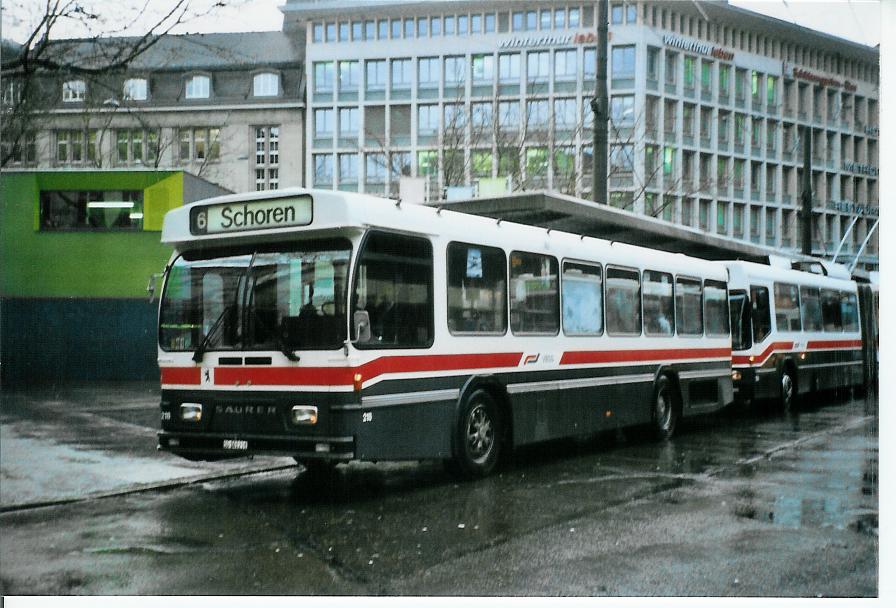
(236, 444)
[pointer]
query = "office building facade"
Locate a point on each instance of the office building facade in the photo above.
(709, 105)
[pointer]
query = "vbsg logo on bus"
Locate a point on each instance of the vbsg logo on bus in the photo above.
(261, 215)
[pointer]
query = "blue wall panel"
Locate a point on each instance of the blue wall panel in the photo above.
(60, 340)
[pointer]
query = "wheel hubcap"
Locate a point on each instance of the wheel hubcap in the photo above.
(787, 388)
(663, 410)
(480, 434)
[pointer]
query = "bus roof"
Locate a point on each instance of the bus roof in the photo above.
(343, 213)
(742, 273)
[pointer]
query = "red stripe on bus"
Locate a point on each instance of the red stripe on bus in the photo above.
(340, 376)
(180, 375)
(760, 358)
(835, 344)
(625, 356)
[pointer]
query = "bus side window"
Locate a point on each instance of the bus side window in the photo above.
(477, 289)
(394, 286)
(810, 308)
(534, 294)
(760, 313)
(715, 302)
(850, 311)
(583, 307)
(830, 310)
(659, 308)
(689, 306)
(623, 302)
(787, 307)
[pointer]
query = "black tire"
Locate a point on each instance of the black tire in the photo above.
(664, 409)
(478, 438)
(787, 391)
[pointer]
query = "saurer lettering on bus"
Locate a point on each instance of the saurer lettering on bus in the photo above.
(257, 217)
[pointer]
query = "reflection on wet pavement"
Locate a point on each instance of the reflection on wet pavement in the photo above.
(730, 500)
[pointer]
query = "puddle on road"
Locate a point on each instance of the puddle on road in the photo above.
(830, 486)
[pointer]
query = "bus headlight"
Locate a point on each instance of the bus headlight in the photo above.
(191, 412)
(735, 375)
(304, 414)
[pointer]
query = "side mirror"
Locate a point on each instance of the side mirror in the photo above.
(151, 285)
(361, 325)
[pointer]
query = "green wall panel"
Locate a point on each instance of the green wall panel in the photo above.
(77, 264)
(160, 198)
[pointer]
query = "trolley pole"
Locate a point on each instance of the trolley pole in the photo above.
(600, 107)
(806, 212)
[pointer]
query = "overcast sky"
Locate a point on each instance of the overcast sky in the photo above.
(857, 20)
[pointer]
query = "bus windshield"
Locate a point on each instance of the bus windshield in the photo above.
(288, 299)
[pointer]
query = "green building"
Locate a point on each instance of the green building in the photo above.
(77, 250)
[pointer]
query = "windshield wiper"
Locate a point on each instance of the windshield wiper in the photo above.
(206, 341)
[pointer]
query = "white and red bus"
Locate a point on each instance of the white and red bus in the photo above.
(334, 326)
(793, 332)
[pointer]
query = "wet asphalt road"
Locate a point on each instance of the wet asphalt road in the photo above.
(738, 504)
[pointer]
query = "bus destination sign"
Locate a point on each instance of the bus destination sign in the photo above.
(251, 215)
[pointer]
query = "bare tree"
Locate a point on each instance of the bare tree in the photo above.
(27, 69)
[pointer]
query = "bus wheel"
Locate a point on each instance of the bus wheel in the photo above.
(478, 440)
(788, 390)
(665, 412)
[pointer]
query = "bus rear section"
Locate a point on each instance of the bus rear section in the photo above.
(377, 331)
(793, 332)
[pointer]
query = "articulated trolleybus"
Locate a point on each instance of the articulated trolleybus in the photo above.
(793, 332)
(333, 326)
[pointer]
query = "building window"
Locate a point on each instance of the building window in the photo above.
(267, 158)
(509, 114)
(671, 65)
(483, 68)
(565, 67)
(622, 110)
(455, 69)
(135, 89)
(323, 123)
(564, 113)
(509, 67)
(489, 24)
(428, 73)
(199, 144)
(427, 119)
(573, 17)
(91, 210)
(323, 170)
(317, 32)
(349, 122)
(653, 58)
(401, 73)
(480, 117)
(348, 169)
(376, 75)
(323, 76)
(688, 72)
(198, 87)
(375, 168)
(73, 91)
(538, 66)
(537, 113)
(623, 62)
(23, 151)
(136, 146)
(266, 85)
(349, 75)
(621, 159)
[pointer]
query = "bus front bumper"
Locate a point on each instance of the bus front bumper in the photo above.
(224, 445)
